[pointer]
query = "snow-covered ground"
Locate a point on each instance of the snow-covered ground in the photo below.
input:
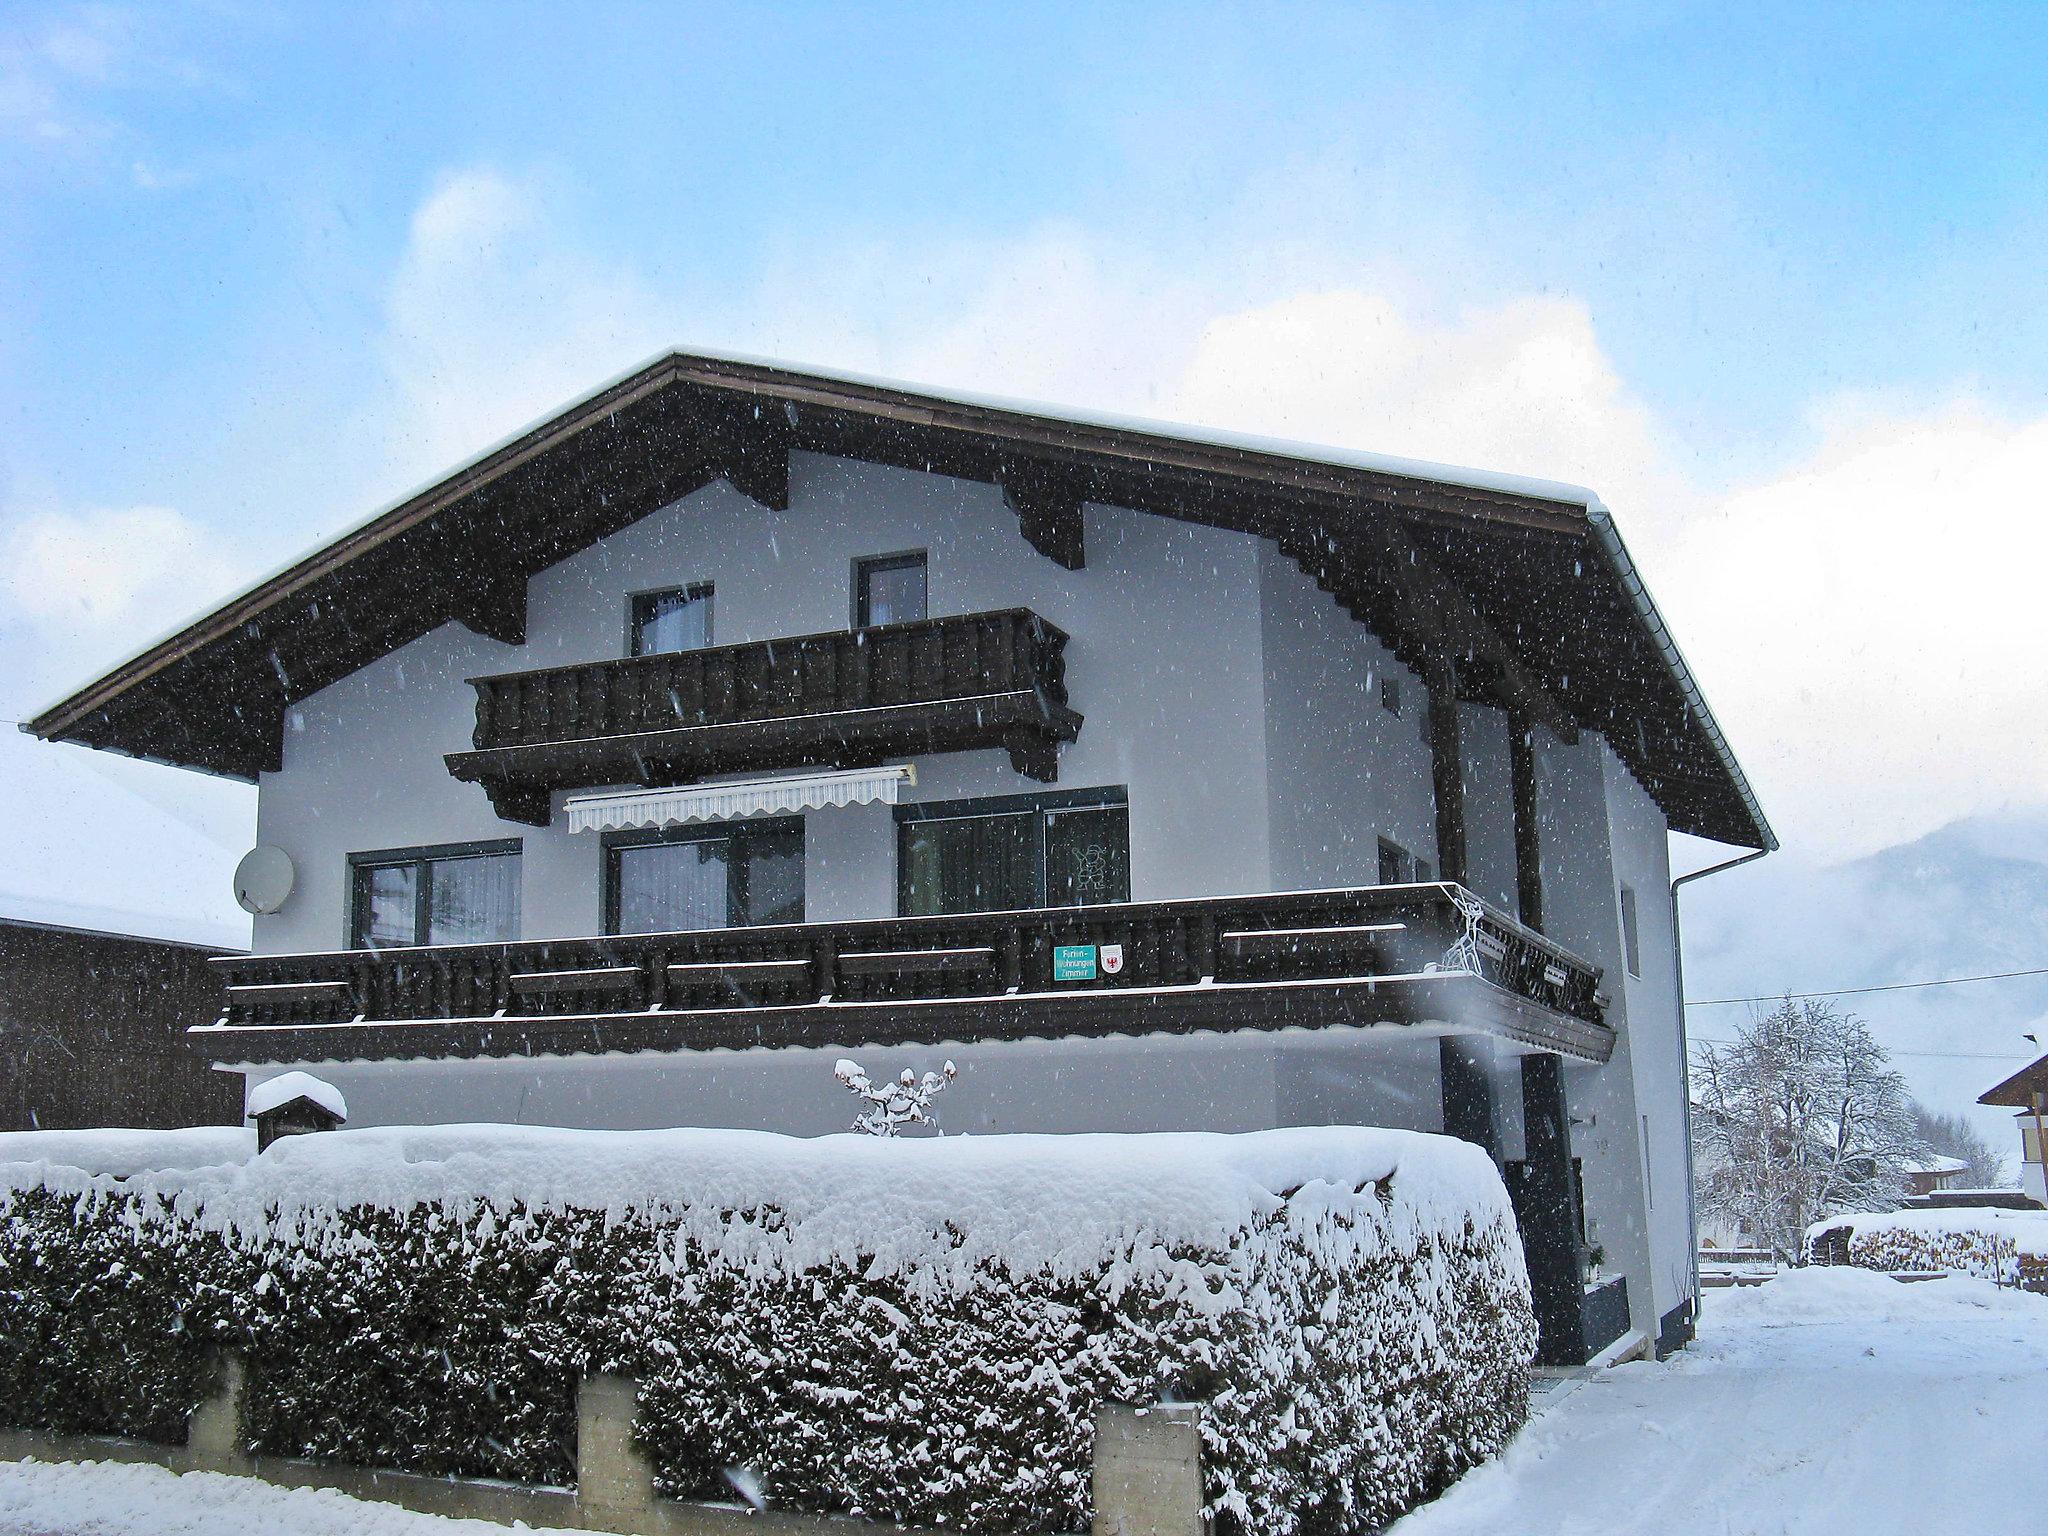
(104, 1498)
(1826, 1401)
(1829, 1400)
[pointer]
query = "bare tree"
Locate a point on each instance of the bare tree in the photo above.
(1801, 1116)
(1953, 1136)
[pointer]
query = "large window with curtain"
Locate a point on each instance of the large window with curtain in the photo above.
(725, 875)
(464, 894)
(1065, 850)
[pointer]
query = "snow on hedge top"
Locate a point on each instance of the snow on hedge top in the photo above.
(2028, 1230)
(118, 1153)
(936, 1208)
(286, 1086)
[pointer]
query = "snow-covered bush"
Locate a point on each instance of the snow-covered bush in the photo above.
(894, 1102)
(918, 1330)
(2009, 1247)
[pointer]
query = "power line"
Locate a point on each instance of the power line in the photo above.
(1897, 986)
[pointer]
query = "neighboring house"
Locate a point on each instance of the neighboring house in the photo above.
(94, 1021)
(1935, 1173)
(2027, 1091)
(739, 719)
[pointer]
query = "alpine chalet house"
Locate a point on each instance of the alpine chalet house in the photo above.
(741, 719)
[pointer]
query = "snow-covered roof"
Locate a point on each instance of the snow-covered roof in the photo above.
(2017, 1091)
(196, 929)
(276, 1092)
(220, 675)
(1937, 1165)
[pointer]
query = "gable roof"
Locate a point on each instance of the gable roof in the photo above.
(1526, 581)
(2018, 1091)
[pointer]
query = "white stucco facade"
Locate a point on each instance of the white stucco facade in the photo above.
(1237, 705)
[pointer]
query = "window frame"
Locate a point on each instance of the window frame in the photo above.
(1631, 932)
(690, 592)
(360, 864)
(897, 560)
(1111, 797)
(610, 844)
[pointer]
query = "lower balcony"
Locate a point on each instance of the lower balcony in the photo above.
(1430, 957)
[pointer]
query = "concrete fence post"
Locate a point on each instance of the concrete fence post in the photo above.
(1148, 1471)
(614, 1479)
(213, 1431)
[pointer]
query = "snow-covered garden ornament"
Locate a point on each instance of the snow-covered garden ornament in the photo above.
(894, 1102)
(1463, 955)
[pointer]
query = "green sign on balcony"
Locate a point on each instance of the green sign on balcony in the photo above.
(1073, 962)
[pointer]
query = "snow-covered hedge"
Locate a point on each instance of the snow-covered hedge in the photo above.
(2009, 1247)
(917, 1330)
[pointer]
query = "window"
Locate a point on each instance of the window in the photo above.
(1396, 867)
(1390, 695)
(998, 855)
(1631, 944)
(888, 589)
(678, 619)
(736, 875)
(458, 895)
(1649, 1184)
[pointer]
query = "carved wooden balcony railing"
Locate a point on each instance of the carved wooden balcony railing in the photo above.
(1414, 954)
(844, 699)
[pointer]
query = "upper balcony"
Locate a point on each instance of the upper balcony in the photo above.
(844, 699)
(1429, 956)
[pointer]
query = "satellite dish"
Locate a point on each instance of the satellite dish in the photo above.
(264, 878)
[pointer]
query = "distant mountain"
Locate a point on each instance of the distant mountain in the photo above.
(1968, 899)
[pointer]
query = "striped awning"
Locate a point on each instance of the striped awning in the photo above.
(750, 797)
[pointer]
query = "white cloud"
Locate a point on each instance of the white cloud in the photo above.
(94, 584)
(1869, 622)
(493, 320)
(1523, 387)
(61, 75)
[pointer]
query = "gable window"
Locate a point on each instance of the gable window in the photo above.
(1390, 696)
(888, 589)
(676, 619)
(1027, 851)
(1631, 942)
(467, 894)
(727, 875)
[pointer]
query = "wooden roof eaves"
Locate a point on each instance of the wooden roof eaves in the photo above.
(988, 434)
(2016, 1091)
(253, 603)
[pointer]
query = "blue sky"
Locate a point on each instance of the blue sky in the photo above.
(1757, 208)
(1768, 277)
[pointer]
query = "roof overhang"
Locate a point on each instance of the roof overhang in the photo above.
(1524, 582)
(2026, 1089)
